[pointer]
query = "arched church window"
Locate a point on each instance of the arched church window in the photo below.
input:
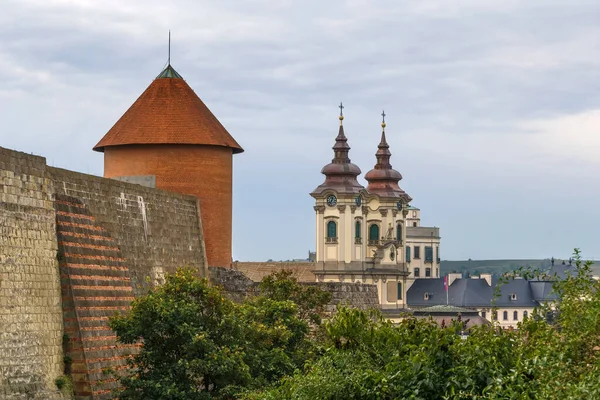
(331, 232)
(399, 232)
(357, 236)
(374, 234)
(524, 314)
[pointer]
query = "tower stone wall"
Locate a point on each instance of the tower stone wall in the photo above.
(170, 136)
(202, 171)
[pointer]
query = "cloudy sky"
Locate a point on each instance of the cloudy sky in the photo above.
(493, 106)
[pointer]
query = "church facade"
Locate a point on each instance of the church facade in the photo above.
(371, 234)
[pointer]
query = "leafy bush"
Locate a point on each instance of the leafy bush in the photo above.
(367, 357)
(197, 344)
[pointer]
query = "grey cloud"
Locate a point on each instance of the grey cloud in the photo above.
(273, 73)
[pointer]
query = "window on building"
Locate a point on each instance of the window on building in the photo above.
(357, 237)
(515, 316)
(524, 314)
(407, 254)
(428, 272)
(494, 315)
(429, 254)
(417, 252)
(394, 291)
(374, 234)
(417, 272)
(399, 232)
(505, 315)
(331, 232)
(437, 272)
(414, 224)
(483, 314)
(437, 252)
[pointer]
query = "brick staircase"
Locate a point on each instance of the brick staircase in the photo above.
(95, 285)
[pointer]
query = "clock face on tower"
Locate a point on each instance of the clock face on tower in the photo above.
(399, 205)
(331, 200)
(358, 201)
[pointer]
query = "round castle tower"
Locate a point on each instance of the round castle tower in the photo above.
(170, 134)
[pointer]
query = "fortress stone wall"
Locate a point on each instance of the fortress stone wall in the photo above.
(30, 295)
(75, 249)
(303, 271)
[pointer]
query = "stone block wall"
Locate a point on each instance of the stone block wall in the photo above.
(258, 270)
(156, 231)
(30, 295)
(75, 249)
(358, 295)
(238, 285)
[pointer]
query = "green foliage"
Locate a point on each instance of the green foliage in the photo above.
(282, 286)
(64, 384)
(366, 357)
(197, 344)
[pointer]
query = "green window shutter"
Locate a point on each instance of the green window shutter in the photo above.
(407, 254)
(331, 229)
(374, 232)
(428, 254)
(357, 229)
(399, 232)
(399, 290)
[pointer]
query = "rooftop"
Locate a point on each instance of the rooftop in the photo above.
(168, 112)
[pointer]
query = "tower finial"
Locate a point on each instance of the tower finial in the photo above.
(341, 107)
(383, 119)
(169, 60)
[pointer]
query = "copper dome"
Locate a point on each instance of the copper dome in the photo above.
(383, 179)
(341, 173)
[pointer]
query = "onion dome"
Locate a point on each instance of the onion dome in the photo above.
(340, 174)
(383, 179)
(168, 112)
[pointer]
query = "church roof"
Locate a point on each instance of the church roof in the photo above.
(168, 112)
(383, 179)
(341, 174)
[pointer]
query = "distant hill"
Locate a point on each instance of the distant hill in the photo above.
(498, 267)
(476, 267)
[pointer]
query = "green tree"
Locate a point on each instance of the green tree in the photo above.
(367, 357)
(197, 344)
(192, 342)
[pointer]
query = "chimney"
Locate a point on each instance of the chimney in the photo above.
(454, 276)
(487, 277)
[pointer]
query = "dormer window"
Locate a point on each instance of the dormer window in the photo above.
(426, 296)
(513, 296)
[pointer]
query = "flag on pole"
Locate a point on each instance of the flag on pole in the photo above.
(446, 287)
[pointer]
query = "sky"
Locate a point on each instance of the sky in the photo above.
(493, 106)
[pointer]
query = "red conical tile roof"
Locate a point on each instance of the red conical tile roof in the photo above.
(168, 112)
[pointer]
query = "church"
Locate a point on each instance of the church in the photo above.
(371, 235)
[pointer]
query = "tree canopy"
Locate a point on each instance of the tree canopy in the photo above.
(199, 345)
